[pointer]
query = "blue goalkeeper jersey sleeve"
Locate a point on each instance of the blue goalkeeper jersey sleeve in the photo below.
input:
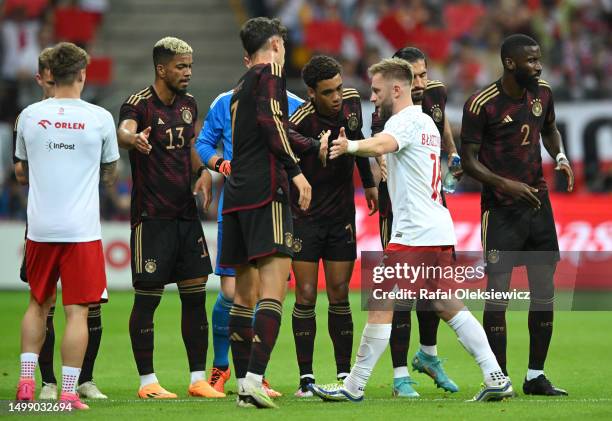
(217, 129)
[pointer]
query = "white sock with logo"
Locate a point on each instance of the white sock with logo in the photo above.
(474, 339)
(29, 360)
(374, 341)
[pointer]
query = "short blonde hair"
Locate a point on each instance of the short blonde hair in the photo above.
(393, 68)
(168, 47)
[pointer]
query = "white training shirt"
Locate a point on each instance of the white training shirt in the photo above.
(414, 181)
(64, 142)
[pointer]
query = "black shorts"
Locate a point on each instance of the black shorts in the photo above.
(166, 251)
(253, 233)
(519, 230)
(332, 240)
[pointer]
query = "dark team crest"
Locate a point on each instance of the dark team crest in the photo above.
(150, 266)
(436, 113)
(289, 239)
(493, 256)
(186, 115)
(297, 245)
(353, 122)
(536, 107)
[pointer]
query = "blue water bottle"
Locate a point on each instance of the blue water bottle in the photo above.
(449, 184)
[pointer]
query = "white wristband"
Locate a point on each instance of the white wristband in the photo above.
(352, 147)
(561, 156)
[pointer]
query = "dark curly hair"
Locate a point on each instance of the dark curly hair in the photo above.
(256, 31)
(320, 68)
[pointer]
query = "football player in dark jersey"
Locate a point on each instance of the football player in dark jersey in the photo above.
(157, 126)
(326, 231)
(500, 138)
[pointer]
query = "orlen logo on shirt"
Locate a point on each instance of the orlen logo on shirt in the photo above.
(62, 125)
(51, 145)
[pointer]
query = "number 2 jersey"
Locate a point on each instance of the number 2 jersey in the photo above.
(162, 179)
(508, 132)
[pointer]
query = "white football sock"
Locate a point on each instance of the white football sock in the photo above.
(430, 350)
(196, 376)
(399, 372)
(254, 379)
(374, 341)
(70, 376)
(29, 360)
(532, 374)
(473, 338)
(148, 379)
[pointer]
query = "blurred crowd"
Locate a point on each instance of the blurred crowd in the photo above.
(460, 37)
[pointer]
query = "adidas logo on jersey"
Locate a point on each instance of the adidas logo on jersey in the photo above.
(507, 119)
(160, 121)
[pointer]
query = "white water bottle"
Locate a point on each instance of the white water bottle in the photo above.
(449, 185)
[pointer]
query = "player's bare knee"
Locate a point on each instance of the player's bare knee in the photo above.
(337, 292)
(228, 287)
(306, 293)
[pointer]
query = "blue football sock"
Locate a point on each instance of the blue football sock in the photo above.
(220, 319)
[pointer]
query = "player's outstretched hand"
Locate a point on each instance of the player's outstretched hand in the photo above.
(141, 141)
(339, 146)
(371, 195)
(522, 191)
(564, 165)
(323, 149)
(204, 185)
(304, 189)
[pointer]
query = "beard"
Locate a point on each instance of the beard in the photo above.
(386, 110)
(525, 80)
(176, 90)
(417, 96)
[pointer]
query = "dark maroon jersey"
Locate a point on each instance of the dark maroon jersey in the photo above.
(508, 132)
(434, 105)
(333, 193)
(162, 180)
(263, 160)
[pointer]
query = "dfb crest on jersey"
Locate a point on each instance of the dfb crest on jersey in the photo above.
(436, 113)
(150, 265)
(186, 115)
(353, 122)
(536, 107)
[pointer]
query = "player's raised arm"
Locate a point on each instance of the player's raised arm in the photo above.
(378, 145)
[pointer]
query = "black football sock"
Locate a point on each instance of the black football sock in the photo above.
(304, 324)
(428, 323)
(45, 358)
(241, 336)
(399, 342)
(94, 325)
(141, 328)
(194, 325)
(340, 327)
(540, 334)
(265, 331)
(494, 324)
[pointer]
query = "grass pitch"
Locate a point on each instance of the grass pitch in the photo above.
(579, 360)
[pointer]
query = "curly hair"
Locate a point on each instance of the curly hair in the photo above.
(257, 31)
(166, 48)
(320, 68)
(66, 61)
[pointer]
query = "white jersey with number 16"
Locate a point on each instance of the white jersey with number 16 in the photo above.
(414, 181)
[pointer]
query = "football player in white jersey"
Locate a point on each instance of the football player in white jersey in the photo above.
(411, 143)
(67, 147)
